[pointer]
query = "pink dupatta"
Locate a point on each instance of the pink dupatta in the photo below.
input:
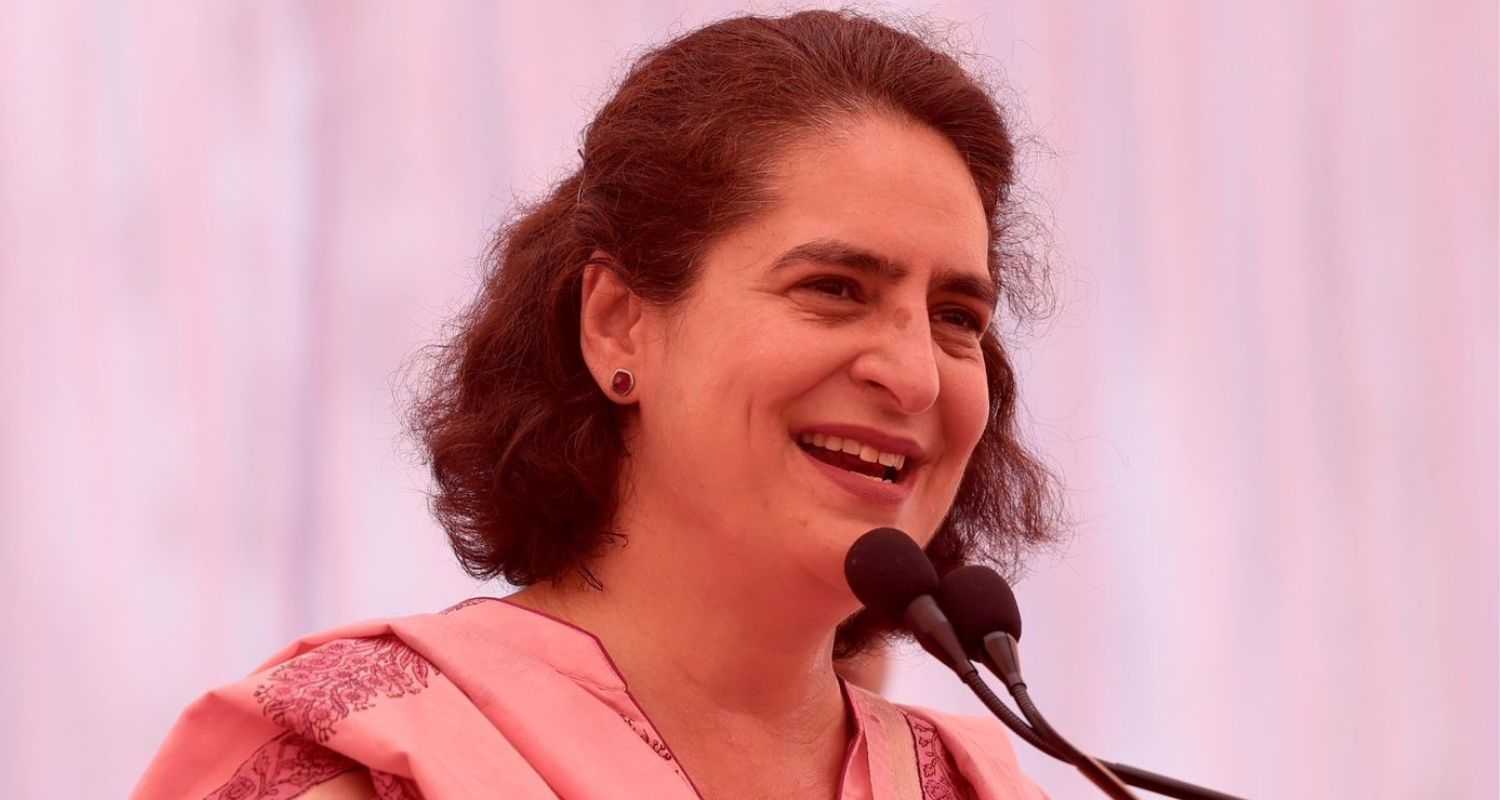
(489, 699)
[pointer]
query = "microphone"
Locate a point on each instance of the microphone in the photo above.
(987, 619)
(893, 577)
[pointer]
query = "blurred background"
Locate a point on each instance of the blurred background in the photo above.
(1270, 386)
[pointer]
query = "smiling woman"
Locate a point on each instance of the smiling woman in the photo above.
(757, 321)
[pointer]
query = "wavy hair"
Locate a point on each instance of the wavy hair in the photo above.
(524, 447)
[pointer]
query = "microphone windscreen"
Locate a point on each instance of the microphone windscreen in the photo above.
(887, 570)
(979, 602)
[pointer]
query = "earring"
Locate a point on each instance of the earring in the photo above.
(623, 382)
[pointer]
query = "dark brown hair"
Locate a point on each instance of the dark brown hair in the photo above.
(526, 449)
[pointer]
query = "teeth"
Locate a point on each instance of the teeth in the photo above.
(865, 452)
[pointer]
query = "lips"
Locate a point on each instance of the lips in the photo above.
(873, 464)
(850, 455)
(891, 446)
(866, 489)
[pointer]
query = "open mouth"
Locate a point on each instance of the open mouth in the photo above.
(857, 457)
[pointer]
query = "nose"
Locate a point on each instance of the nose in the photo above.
(901, 362)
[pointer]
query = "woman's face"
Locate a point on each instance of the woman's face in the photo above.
(835, 337)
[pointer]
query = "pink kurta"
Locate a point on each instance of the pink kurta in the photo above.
(492, 700)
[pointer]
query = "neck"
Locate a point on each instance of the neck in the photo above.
(698, 624)
(728, 652)
(689, 638)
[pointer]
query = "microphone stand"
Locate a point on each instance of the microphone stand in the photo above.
(926, 619)
(890, 573)
(1000, 657)
(1050, 742)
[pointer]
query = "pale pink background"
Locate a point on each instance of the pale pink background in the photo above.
(1271, 387)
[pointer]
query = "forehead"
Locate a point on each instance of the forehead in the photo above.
(894, 191)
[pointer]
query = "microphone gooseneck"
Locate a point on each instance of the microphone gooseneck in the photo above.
(893, 578)
(985, 615)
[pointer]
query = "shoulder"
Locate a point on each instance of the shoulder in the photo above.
(316, 713)
(318, 691)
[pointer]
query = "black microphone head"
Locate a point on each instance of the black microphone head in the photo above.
(979, 602)
(887, 570)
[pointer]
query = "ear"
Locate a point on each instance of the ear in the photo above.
(609, 324)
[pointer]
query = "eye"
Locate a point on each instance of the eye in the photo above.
(962, 318)
(833, 286)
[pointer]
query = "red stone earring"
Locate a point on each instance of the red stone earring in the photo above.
(623, 382)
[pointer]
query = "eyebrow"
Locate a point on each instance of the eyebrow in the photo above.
(844, 254)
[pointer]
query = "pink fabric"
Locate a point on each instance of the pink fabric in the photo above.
(488, 699)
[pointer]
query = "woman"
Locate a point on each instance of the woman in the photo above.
(756, 323)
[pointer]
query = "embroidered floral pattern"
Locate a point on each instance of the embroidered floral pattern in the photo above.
(281, 769)
(940, 778)
(393, 787)
(313, 692)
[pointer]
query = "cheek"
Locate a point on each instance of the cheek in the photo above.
(967, 410)
(725, 384)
